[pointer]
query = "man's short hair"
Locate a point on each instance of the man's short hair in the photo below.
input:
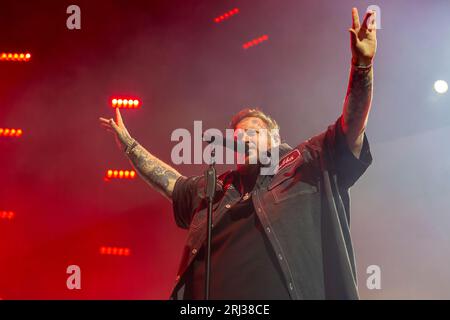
(257, 113)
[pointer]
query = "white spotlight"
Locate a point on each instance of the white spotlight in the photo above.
(441, 86)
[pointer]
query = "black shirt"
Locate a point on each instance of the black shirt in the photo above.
(304, 210)
(243, 264)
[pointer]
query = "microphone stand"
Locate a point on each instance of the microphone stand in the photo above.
(210, 190)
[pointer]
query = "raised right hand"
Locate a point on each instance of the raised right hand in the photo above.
(122, 136)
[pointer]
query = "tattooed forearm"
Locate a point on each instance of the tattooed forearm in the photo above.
(155, 172)
(357, 106)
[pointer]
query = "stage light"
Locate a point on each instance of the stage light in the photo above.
(255, 41)
(119, 174)
(115, 251)
(7, 215)
(226, 15)
(125, 103)
(441, 86)
(6, 132)
(23, 57)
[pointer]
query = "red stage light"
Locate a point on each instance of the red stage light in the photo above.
(125, 103)
(119, 174)
(6, 132)
(255, 41)
(114, 251)
(7, 215)
(226, 15)
(4, 56)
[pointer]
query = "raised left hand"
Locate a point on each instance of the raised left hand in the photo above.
(363, 38)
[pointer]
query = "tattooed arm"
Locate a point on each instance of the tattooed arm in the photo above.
(359, 94)
(155, 172)
(356, 107)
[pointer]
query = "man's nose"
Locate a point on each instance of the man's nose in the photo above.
(248, 139)
(247, 136)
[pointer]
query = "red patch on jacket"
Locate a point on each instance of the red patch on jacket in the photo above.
(289, 158)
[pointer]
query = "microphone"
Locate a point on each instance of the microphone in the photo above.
(238, 146)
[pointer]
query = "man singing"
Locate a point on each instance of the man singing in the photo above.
(279, 236)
